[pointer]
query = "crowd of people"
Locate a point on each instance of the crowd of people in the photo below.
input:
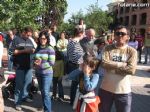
(100, 67)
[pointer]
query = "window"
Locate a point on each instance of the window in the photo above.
(126, 20)
(127, 9)
(121, 10)
(121, 20)
(133, 20)
(143, 18)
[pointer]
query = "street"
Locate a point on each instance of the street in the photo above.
(140, 102)
(140, 87)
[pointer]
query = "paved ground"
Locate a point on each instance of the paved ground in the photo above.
(140, 88)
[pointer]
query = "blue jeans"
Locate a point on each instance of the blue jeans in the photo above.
(44, 81)
(122, 101)
(58, 81)
(23, 82)
(147, 53)
(74, 83)
(10, 63)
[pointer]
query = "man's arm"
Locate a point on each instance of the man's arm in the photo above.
(27, 50)
(130, 68)
(121, 68)
(107, 61)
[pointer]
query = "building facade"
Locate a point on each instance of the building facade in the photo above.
(135, 14)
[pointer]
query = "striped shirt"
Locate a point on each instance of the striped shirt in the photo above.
(20, 43)
(75, 52)
(47, 55)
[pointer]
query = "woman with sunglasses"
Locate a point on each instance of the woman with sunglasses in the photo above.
(119, 62)
(44, 60)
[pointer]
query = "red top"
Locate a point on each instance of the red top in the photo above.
(140, 40)
(1, 37)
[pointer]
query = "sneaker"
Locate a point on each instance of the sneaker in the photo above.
(29, 100)
(40, 109)
(18, 107)
(145, 63)
(61, 99)
(54, 97)
(139, 62)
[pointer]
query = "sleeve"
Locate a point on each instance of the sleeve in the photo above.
(58, 44)
(74, 74)
(12, 47)
(130, 68)
(136, 46)
(91, 83)
(108, 63)
(77, 56)
(66, 43)
(51, 56)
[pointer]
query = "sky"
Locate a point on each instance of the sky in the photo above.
(75, 5)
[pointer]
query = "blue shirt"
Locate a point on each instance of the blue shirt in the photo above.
(90, 83)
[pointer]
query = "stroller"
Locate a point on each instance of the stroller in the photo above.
(9, 88)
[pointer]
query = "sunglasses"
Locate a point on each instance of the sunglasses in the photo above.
(120, 34)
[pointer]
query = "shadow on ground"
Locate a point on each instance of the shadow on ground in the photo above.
(57, 105)
(140, 103)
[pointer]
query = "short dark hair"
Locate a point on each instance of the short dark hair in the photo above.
(120, 27)
(99, 41)
(28, 29)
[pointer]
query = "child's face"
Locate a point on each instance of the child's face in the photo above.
(87, 69)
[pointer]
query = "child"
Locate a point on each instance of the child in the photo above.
(86, 100)
(58, 69)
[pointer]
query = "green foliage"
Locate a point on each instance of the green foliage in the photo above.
(55, 11)
(20, 13)
(94, 18)
(66, 27)
(75, 17)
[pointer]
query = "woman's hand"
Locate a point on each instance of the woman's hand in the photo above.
(37, 63)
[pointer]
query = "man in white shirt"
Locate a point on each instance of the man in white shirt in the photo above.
(119, 62)
(52, 38)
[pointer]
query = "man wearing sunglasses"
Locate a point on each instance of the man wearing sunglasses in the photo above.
(119, 61)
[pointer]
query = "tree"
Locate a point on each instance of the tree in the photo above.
(94, 18)
(36, 13)
(97, 18)
(19, 13)
(55, 11)
(75, 17)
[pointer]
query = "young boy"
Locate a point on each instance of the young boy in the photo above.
(86, 100)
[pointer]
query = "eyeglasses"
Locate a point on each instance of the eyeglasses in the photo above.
(120, 34)
(43, 38)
